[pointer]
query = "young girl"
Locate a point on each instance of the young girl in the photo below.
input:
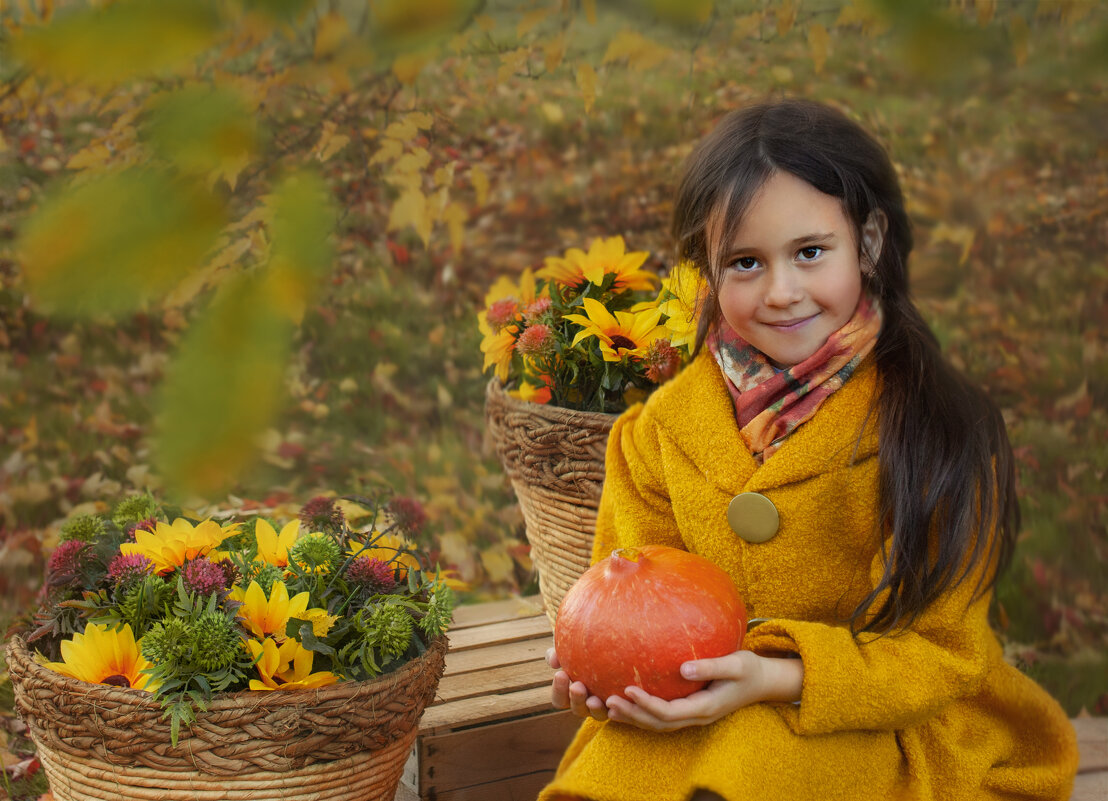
(859, 491)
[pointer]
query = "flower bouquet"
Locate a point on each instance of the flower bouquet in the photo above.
(175, 654)
(571, 346)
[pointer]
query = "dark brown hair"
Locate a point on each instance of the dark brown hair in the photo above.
(947, 496)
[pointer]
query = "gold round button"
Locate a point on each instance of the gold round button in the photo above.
(753, 516)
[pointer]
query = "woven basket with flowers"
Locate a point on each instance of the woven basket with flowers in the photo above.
(571, 346)
(181, 658)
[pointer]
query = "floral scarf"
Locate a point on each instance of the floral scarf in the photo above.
(771, 403)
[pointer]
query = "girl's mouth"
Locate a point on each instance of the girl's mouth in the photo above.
(791, 325)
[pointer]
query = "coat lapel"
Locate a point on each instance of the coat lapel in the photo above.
(697, 413)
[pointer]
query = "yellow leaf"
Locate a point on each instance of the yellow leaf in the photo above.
(586, 82)
(330, 32)
(444, 176)
(511, 63)
(124, 40)
(455, 217)
(480, 181)
(819, 43)
(782, 74)
(497, 563)
(117, 241)
(786, 17)
(530, 20)
(961, 235)
(985, 11)
(1021, 35)
(95, 155)
(590, 10)
(639, 52)
(553, 112)
(420, 119)
(403, 131)
(413, 162)
(209, 275)
(411, 209)
(407, 66)
(554, 51)
(329, 143)
(746, 26)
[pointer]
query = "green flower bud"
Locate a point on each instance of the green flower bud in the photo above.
(134, 510)
(389, 629)
(217, 642)
(168, 642)
(87, 528)
(316, 553)
(265, 576)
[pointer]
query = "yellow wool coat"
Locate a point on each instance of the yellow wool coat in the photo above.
(932, 713)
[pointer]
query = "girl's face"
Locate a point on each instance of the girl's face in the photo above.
(792, 276)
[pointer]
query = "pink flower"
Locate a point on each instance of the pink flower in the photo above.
(149, 524)
(66, 561)
(535, 340)
(372, 576)
(321, 514)
(662, 361)
(534, 312)
(203, 577)
(408, 514)
(502, 313)
(126, 568)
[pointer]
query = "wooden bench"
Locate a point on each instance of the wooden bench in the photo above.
(492, 735)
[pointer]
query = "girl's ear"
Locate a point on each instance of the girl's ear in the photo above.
(873, 236)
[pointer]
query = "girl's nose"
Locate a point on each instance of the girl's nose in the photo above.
(784, 287)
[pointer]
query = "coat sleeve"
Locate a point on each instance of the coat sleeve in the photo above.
(635, 504)
(885, 682)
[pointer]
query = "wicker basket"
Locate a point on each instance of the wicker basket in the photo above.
(347, 741)
(555, 460)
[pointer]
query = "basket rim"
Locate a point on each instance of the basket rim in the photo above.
(19, 654)
(497, 393)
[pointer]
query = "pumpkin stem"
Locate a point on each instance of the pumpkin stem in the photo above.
(622, 558)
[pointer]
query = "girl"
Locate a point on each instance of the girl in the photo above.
(859, 491)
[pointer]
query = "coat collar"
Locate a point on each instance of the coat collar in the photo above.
(697, 413)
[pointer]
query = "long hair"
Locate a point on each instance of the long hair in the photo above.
(947, 500)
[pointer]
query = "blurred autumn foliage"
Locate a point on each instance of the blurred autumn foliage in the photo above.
(242, 242)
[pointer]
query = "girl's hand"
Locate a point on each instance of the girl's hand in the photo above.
(573, 695)
(736, 680)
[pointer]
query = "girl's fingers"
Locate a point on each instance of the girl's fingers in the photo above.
(723, 667)
(559, 690)
(552, 658)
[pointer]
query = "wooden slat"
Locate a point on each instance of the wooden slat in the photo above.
(518, 788)
(496, 611)
(506, 679)
(1092, 739)
(510, 653)
(1089, 786)
(507, 631)
(473, 711)
(493, 753)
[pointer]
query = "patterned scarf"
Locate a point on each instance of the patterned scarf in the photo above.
(771, 403)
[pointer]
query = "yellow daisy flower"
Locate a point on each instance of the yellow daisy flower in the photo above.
(103, 655)
(286, 667)
(273, 548)
(604, 256)
(686, 284)
(622, 334)
(269, 616)
(171, 545)
(504, 306)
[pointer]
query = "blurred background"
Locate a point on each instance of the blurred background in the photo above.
(243, 244)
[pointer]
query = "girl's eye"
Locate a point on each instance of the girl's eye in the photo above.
(744, 264)
(810, 253)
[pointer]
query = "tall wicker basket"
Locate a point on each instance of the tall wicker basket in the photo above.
(347, 741)
(554, 458)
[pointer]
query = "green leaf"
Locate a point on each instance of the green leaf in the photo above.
(124, 40)
(308, 640)
(109, 245)
(223, 388)
(302, 254)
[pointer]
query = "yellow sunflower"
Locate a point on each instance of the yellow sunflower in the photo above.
(604, 256)
(686, 284)
(170, 546)
(287, 666)
(622, 334)
(269, 616)
(273, 548)
(103, 655)
(504, 306)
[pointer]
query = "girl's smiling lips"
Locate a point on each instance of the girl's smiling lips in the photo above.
(788, 325)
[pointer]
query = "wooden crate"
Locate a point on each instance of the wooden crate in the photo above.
(491, 733)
